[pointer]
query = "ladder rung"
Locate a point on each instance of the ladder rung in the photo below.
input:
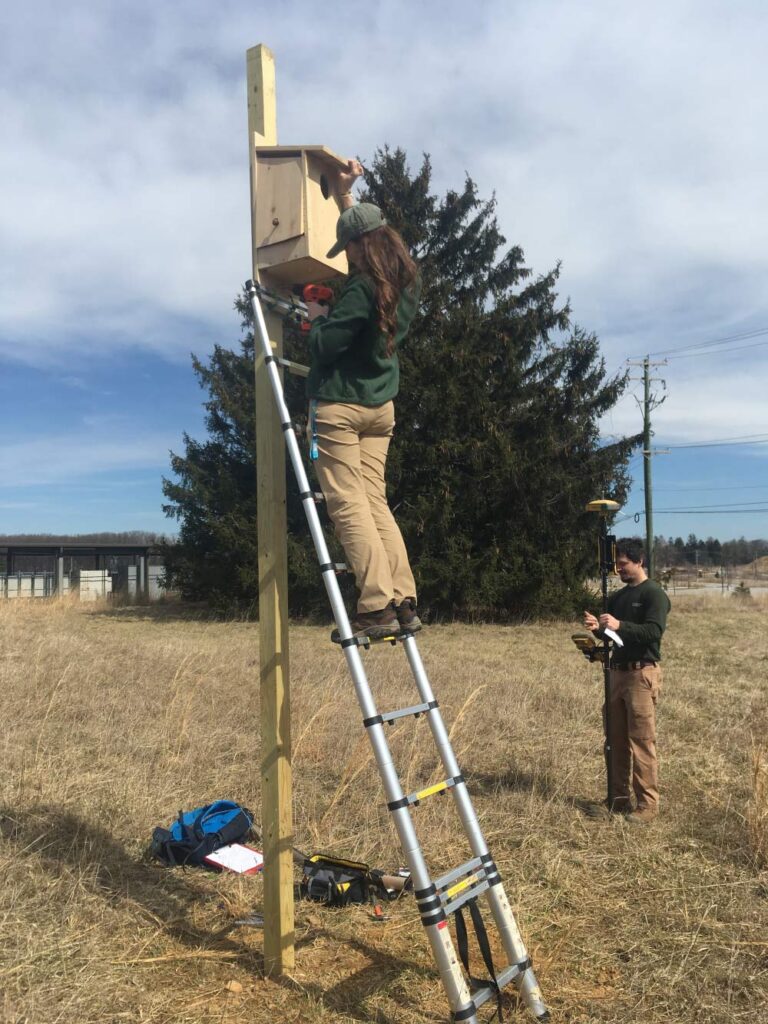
(464, 869)
(451, 906)
(298, 369)
(416, 710)
(439, 787)
(503, 977)
(284, 306)
(366, 642)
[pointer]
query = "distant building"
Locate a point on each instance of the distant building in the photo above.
(92, 571)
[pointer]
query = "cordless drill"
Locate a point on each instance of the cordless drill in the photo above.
(314, 293)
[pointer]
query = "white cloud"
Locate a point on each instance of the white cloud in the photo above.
(697, 407)
(625, 140)
(62, 458)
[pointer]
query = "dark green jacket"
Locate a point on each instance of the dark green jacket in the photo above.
(642, 611)
(348, 358)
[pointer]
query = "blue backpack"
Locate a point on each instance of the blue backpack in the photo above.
(197, 833)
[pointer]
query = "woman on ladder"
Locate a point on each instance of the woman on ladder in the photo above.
(353, 379)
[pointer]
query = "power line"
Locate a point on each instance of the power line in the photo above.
(704, 510)
(719, 444)
(721, 504)
(721, 509)
(718, 351)
(732, 486)
(756, 333)
(710, 512)
(732, 437)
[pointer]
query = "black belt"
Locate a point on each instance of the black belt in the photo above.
(631, 666)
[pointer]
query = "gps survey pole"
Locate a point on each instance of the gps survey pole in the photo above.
(607, 560)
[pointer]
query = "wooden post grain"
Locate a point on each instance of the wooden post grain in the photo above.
(276, 787)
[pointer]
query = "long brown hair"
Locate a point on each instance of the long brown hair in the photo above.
(384, 257)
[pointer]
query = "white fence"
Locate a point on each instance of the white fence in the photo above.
(88, 584)
(93, 583)
(28, 584)
(128, 581)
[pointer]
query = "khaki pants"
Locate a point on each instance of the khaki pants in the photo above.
(353, 441)
(634, 694)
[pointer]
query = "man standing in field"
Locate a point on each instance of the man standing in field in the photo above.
(638, 613)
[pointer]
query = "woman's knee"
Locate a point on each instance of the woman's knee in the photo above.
(345, 511)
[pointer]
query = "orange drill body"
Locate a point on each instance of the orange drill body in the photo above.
(315, 293)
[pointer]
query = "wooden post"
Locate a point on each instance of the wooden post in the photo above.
(276, 789)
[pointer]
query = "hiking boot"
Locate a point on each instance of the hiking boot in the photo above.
(594, 809)
(407, 615)
(642, 816)
(600, 809)
(373, 625)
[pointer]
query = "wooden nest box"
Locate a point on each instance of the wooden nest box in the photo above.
(296, 213)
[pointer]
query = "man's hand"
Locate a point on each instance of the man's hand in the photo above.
(609, 622)
(590, 621)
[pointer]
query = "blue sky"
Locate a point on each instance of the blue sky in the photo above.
(625, 140)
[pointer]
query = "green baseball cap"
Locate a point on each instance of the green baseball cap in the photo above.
(357, 220)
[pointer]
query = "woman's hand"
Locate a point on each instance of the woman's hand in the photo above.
(347, 178)
(316, 309)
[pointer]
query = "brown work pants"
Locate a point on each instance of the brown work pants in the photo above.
(352, 442)
(634, 693)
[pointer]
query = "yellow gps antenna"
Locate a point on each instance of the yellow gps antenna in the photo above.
(603, 505)
(607, 559)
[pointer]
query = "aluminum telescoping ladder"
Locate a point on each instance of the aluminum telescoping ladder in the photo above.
(436, 898)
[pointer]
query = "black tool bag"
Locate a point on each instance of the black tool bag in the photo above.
(336, 882)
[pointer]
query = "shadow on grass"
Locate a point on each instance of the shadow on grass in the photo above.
(168, 612)
(61, 840)
(540, 784)
(161, 612)
(348, 996)
(514, 780)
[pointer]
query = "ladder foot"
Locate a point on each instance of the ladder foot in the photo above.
(468, 1013)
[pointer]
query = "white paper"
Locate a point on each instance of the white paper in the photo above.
(614, 636)
(238, 858)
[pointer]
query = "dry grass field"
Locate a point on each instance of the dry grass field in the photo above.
(114, 718)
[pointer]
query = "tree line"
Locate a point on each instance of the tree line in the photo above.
(669, 551)
(138, 537)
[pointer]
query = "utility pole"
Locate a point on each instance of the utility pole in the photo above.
(647, 467)
(650, 402)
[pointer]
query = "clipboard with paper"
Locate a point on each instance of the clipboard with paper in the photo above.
(242, 860)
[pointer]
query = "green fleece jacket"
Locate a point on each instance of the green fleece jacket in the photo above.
(348, 358)
(642, 611)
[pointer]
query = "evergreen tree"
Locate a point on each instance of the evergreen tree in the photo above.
(214, 495)
(496, 450)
